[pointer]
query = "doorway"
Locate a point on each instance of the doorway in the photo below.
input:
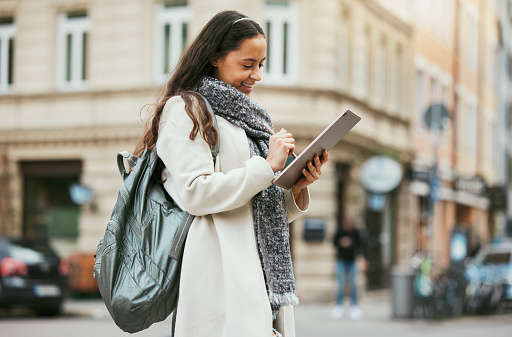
(48, 211)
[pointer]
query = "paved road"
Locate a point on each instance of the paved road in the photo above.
(85, 318)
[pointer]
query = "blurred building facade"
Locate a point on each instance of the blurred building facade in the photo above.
(75, 76)
(458, 179)
(80, 72)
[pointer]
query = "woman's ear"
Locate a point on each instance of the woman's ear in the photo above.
(214, 60)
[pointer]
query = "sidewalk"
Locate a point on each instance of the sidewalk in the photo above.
(375, 306)
(313, 320)
(309, 318)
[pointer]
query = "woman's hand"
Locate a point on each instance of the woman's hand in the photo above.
(312, 173)
(281, 145)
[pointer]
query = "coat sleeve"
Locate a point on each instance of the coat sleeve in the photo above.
(292, 209)
(190, 177)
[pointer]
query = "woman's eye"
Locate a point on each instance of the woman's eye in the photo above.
(261, 65)
(247, 67)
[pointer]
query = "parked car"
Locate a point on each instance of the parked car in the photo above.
(32, 275)
(489, 276)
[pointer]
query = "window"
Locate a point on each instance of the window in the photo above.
(460, 118)
(73, 30)
(460, 30)
(395, 84)
(343, 61)
(379, 72)
(6, 54)
(433, 90)
(438, 16)
(361, 61)
(420, 98)
(490, 64)
(447, 95)
(171, 31)
(281, 28)
(490, 144)
(448, 13)
(471, 136)
(472, 52)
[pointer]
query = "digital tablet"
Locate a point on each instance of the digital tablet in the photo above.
(325, 141)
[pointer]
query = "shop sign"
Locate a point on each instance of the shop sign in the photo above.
(380, 174)
(498, 197)
(473, 185)
(420, 174)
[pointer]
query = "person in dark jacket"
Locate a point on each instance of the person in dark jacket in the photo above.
(348, 244)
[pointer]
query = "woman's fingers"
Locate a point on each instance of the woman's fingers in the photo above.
(312, 171)
(281, 145)
(325, 157)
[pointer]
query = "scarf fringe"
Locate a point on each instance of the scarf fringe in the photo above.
(283, 299)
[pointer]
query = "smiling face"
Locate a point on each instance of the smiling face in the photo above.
(241, 68)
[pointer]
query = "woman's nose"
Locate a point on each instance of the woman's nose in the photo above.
(256, 74)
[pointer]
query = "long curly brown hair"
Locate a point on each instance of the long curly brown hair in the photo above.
(217, 38)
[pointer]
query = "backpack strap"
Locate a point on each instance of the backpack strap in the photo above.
(213, 148)
(130, 158)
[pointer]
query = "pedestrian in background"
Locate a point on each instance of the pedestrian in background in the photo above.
(349, 245)
(237, 275)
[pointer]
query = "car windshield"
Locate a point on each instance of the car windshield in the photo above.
(494, 258)
(29, 253)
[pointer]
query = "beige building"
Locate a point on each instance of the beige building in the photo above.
(77, 73)
(456, 45)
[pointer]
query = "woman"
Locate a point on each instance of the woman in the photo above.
(236, 274)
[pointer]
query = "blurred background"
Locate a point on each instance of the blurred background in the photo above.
(426, 174)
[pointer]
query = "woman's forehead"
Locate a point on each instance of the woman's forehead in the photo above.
(254, 48)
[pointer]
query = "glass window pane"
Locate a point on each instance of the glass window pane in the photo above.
(167, 43)
(268, 47)
(285, 48)
(69, 43)
(175, 3)
(184, 32)
(77, 15)
(10, 60)
(84, 56)
(1, 68)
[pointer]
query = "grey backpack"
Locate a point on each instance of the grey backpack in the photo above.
(137, 262)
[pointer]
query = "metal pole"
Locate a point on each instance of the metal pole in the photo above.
(434, 181)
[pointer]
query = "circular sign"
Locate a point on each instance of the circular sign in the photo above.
(380, 174)
(80, 194)
(437, 116)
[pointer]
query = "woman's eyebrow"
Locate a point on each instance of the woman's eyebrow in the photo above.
(253, 60)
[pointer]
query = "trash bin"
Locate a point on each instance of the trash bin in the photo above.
(402, 292)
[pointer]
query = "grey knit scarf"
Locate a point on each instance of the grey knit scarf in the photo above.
(269, 206)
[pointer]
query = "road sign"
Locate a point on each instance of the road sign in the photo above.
(436, 116)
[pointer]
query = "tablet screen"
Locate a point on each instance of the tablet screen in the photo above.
(325, 141)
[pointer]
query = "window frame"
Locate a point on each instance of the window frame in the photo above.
(380, 72)
(361, 61)
(173, 15)
(77, 60)
(7, 33)
(276, 16)
(343, 53)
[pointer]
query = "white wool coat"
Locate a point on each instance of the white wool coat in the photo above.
(222, 287)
